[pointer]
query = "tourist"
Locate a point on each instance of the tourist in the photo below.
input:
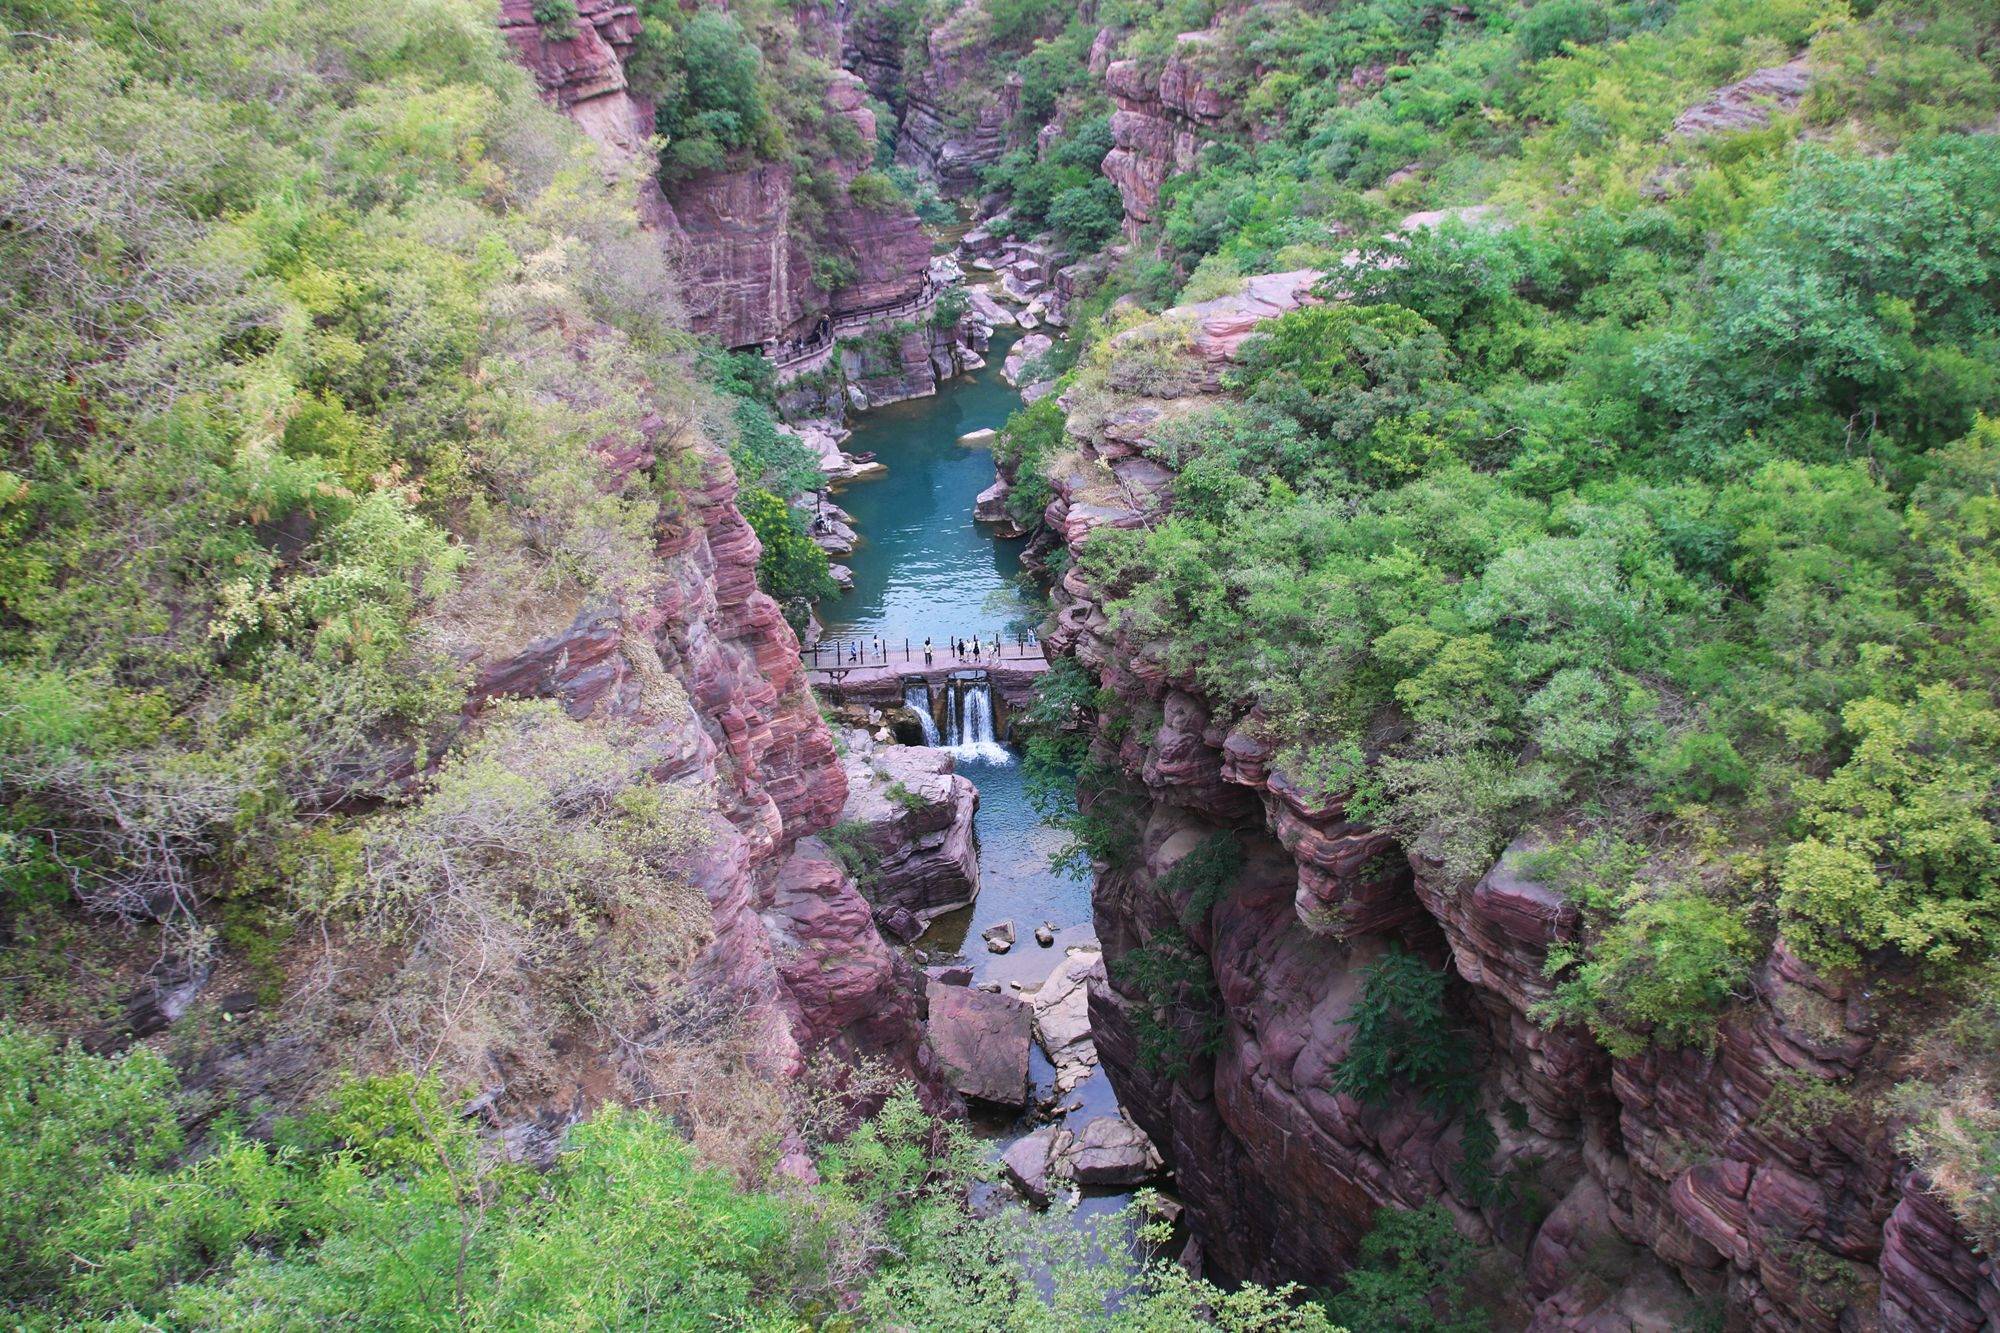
(927, 650)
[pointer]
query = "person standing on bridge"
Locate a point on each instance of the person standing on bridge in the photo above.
(927, 650)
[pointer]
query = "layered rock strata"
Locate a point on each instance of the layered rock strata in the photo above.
(736, 231)
(955, 118)
(1165, 117)
(1636, 1192)
(706, 666)
(911, 816)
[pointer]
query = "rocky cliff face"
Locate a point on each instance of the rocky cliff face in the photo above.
(708, 667)
(1163, 121)
(956, 117)
(1638, 1191)
(746, 266)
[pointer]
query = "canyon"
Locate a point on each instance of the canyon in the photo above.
(1640, 1192)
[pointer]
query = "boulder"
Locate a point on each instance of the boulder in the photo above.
(1045, 935)
(1062, 1017)
(915, 815)
(999, 937)
(980, 1040)
(987, 310)
(1028, 349)
(979, 439)
(1110, 1150)
(1030, 1161)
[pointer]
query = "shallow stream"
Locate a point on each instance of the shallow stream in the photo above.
(925, 569)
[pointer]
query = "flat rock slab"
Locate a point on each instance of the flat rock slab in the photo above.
(981, 1042)
(1062, 1017)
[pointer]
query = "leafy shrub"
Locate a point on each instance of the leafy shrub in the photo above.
(792, 569)
(706, 78)
(1178, 1017)
(1346, 372)
(1662, 969)
(1086, 216)
(873, 190)
(1552, 24)
(1404, 1040)
(1411, 1275)
(1203, 876)
(1900, 847)
(831, 272)
(556, 19)
(376, 1211)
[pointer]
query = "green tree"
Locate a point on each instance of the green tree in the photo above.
(1404, 1040)
(1410, 1276)
(1899, 848)
(792, 568)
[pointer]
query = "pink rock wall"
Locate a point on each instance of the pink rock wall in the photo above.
(957, 116)
(794, 939)
(746, 267)
(1644, 1188)
(1163, 120)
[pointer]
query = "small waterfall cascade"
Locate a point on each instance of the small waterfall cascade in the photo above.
(969, 720)
(917, 694)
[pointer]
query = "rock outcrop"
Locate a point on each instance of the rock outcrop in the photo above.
(1749, 103)
(1164, 119)
(707, 666)
(956, 117)
(911, 816)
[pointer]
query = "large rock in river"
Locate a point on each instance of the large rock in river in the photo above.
(981, 1043)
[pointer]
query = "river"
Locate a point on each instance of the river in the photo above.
(924, 568)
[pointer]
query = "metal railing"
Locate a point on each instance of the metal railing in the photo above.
(846, 655)
(794, 359)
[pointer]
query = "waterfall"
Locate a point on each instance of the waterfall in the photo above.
(917, 695)
(969, 721)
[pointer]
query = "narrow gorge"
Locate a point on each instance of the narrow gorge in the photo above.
(971, 664)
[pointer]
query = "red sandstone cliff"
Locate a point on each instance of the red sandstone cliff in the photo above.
(1163, 121)
(1644, 1188)
(736, 231)
(957, 117)
(794, 941)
